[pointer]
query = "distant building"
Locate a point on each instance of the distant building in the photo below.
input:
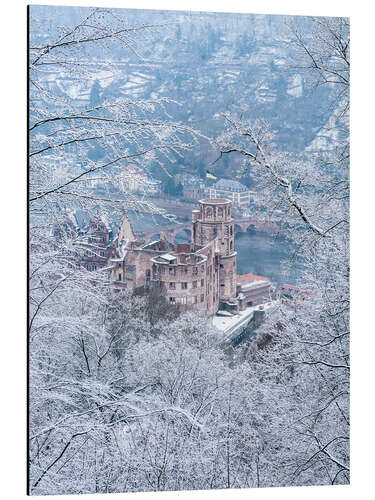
(253, 290)
(134, 179)
(92, 240)
(292, 293)
(96, 245)
(193, 186)
(240, 195)
(194, 191)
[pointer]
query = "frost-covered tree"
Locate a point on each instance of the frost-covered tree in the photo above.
(301, 366)
(68, 348)
(126, 396)
(75, 147)
(120, 404)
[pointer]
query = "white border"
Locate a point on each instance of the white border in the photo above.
(13, 351)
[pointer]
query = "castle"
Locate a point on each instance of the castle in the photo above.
(200, 275)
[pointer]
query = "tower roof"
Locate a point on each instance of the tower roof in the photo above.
(215, 201)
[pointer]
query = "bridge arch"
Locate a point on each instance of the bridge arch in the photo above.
(251, 228)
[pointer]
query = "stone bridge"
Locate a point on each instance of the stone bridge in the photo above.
(184, 230)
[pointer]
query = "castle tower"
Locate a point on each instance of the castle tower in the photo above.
(212, 221)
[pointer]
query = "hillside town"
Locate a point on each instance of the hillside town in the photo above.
(188, 187)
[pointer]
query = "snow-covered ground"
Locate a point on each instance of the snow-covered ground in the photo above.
(227, 324)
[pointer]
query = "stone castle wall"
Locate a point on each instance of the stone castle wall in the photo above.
(215, 221)
(197, 276)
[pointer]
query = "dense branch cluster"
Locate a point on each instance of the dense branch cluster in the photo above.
(120, 404)
(308, 195)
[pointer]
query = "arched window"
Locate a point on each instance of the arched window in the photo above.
(220, 212)
(209, 212)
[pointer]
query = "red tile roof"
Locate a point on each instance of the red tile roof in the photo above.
(248, 278)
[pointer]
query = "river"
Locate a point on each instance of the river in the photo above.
(266, 255)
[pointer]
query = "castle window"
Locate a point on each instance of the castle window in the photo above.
(119, 277)
(220, 212)
(194, 284)
(183, 300)
(172, 285)
(172, 300)
(202, 282)
(184, 286)
(209, 212)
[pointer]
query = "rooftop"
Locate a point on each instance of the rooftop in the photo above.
(189, 259)
(145, 222)
(250, 278)
(228, 324)
(168, 257)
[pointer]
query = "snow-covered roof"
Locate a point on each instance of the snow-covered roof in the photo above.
(150, 243)
(168, 257)
(145, 222)
(227, 324)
